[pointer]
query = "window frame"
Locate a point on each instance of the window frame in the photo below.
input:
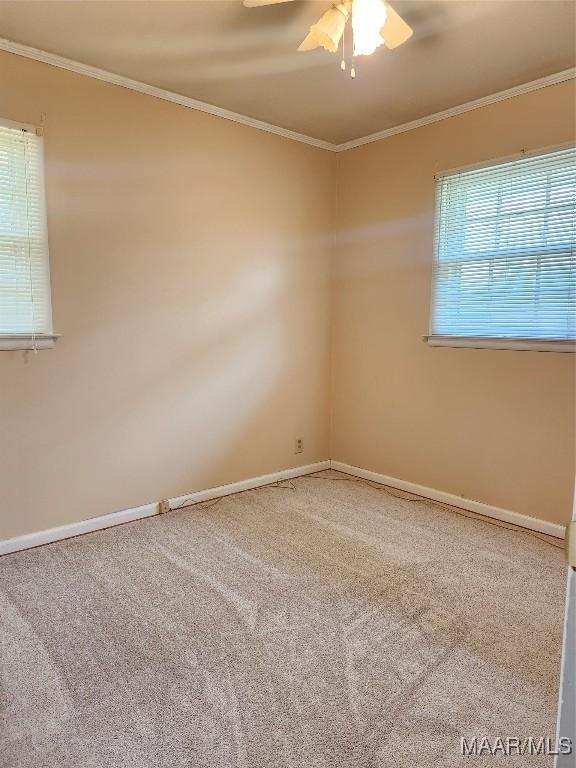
(489, 342)
(10, 342)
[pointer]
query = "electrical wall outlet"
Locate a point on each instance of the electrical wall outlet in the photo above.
(163, 507)
(299, 445)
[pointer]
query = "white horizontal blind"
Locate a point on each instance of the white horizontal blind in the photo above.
(505, 263)
(24, 271)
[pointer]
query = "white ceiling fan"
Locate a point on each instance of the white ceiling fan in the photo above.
(374, 23)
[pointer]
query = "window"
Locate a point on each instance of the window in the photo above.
(25, 311)
(505, 255)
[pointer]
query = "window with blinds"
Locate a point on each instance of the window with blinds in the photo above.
(25, 312)
(505, 250)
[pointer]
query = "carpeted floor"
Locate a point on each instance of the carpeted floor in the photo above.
(321, 624)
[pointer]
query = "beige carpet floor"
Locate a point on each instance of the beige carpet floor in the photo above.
(320, 624)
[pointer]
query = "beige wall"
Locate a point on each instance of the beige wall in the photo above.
(190, 266)
(190, 262)
(492, 425)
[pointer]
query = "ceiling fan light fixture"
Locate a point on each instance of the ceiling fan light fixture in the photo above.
(395, 31)
(368, 18)
(328, 30)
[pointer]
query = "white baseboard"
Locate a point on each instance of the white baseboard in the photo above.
(506, 515)
(50, 535)
(246, 485)
(76, 529)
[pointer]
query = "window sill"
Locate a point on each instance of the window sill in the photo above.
(482, 342)
(13, 342)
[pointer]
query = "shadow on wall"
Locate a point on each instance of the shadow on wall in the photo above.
(195, 390)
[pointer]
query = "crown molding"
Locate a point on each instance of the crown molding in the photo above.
(184, 101)
(518, 90)
(159, 93)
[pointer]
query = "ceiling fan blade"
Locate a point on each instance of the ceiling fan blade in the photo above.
(257, 3)
(395, 30)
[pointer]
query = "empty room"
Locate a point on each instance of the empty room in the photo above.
(287, 383)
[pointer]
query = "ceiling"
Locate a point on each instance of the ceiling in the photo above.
(245, 59)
